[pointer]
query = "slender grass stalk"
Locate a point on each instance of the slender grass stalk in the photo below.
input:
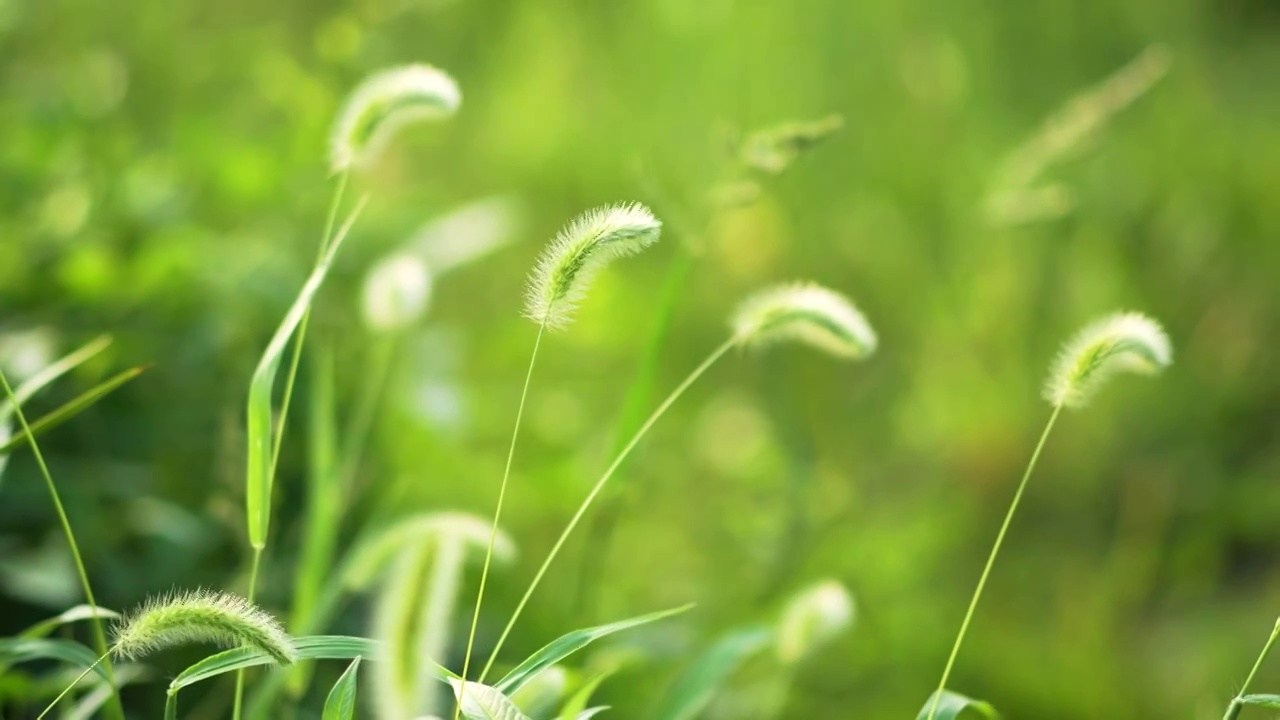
(497, 516)
(591, 496)
(116, 709)
(991, 559)
(1237, 703)
(70, 687)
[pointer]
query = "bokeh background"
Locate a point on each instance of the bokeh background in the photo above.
(163, 178)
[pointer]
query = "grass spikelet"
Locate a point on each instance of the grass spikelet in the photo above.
(812, 618)
(774, 149)
(595, 238)
(385, 102)
(200, 616)
(1123, 342)
(396, 292)
(805, 313)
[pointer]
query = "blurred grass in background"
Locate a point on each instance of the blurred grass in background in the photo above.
(162, 178)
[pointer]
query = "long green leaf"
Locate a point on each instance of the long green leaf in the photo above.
(576, 705)
(341, 703)
(314, 647)
(64, 365)
(482, 702)
(1265, 700)
(953, 706)
(73, 614)
(19, 650)
(260, 431)
(699, 684)
(73, 407)
(567, 644)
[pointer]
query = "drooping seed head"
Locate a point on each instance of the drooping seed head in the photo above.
(1123, 342)
(812, 618)
(594, 239)
(370, 557)
(384, 103)
(200, 616)
(805, 313)
(396, 293)
(774, 149)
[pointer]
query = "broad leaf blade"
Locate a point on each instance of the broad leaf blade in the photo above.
(19, 650)
(341, 703)
(700, 683)
(1265, 700)
(314, 647)
(73, 407)
(260, 431)
(482, 702)
(570, 643)
(954, 706)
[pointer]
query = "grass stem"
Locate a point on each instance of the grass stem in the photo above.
(1237, 704)
(497, 515)
(591, 496)
(99, 635)
(991, 560)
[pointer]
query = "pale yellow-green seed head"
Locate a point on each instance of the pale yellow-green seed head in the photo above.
(1123, 342)
(806, 313)
(812, 618)
(594, 239)
(200, 616)
(384, 103)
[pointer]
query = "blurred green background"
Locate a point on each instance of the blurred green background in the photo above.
(163, 179)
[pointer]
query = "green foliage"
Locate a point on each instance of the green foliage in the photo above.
(700, 682)
(341, 703)
(946, 705)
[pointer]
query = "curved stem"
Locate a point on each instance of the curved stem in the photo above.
(99, 636)
(991, 560)
(1233, 710)
(68, 689)
(591, 496)
(497, 515)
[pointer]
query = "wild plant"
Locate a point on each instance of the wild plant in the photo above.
(1244, 698)
(1120, 343)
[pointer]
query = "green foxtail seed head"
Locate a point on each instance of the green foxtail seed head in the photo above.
(385, 102)
(774, 149)
(805, 313)
(396, 292)
(1123, 342)
(590, 242)
(200, 616)
(372, 556)
(812, 618)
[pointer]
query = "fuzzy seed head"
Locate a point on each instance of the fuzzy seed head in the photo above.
(384, 103)
(594, 239)
(808, 314)
(1123, 342)
(200, 616)
(396, 293)
(812, 618)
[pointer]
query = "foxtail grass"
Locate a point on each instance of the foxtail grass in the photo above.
(1119, 343)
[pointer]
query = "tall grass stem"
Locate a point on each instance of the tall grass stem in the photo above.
(1237, 704)
(493, 532)
(991, 560)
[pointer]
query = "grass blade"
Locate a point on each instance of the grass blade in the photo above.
(954, 706)
(73, 407)
(261, 438)
(567, 644)
(482, 702)
(20, 650)
(699, 684)
(341, 703)
(73, 614)
(42, 379)
(314, 647)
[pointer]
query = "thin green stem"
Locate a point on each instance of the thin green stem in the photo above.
(171, 706)
(68, 689)
(99, 636)
(497, 516)
(991, 560)
(1237, 704)
(591, 496)
(290, 379)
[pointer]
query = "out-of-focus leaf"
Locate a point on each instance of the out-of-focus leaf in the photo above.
(74, 614)
(482, 702)
(73, 407)
(700, 683)
(567, 644)
(19, 650)
(1265, 700)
